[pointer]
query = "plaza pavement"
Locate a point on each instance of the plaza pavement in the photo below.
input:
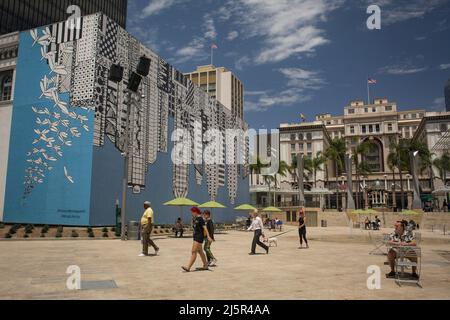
(334, 268)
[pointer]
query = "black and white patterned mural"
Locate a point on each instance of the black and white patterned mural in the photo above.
(82, 60)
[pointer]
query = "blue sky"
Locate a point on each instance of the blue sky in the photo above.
(306, 56)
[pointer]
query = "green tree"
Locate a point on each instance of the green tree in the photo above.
(336, 153)
(312, 165)
(443, 166)
(361, 167)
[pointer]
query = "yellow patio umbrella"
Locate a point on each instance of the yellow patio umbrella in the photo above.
(245, 207)
(181, 202)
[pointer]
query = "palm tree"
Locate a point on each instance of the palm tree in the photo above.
(336, 153)
(283, 169)
(443, 166)
(361, 167)
(312, 165)
(399, 158)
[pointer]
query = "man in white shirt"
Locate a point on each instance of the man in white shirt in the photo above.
(258, 227)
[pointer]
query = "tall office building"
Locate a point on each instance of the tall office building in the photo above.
(19, 15)
(447, 96)
(221, 84)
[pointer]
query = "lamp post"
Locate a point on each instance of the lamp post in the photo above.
(417, 203)
(116, 75)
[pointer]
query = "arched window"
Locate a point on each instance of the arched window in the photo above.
(374, 158)
(6, 87)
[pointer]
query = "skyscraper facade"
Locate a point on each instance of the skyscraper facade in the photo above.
(19, 15)
(221, 84)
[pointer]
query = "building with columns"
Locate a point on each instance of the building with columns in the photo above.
(380, 124)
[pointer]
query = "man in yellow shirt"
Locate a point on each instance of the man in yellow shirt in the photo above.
(147, 227)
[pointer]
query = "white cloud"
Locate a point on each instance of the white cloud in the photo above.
(401, 69)
(210, 29)
(156, 6)
(300, 85)
(242, 62)
(194, 51)
(285, 27)
(444, 66)
(438, 104)
(232, 35)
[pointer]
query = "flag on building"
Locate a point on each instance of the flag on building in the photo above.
(214, 46)
(371, 81)
(302, 116)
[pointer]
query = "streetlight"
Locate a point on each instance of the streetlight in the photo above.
(116, 75)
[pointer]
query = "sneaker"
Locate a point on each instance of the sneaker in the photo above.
(156, 252)
(391, 275)
(142, 255)
(212, 263)
(251, 254)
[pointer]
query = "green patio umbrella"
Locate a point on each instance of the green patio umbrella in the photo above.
(181, 202)
(245, 207)
(212, 205)
(410, 212)
(272, 210)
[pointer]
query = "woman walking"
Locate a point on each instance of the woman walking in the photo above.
(200, 233)
(302, 229)
(212, 261)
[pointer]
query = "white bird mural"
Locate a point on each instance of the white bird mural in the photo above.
(69, 178)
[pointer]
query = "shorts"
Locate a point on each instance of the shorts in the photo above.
(199, 239)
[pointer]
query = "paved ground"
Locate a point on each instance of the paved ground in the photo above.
(334, 268)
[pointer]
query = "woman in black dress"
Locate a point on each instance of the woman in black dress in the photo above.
(302, 229)
(200, 233)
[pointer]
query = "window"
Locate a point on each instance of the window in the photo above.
(352, 129)
(414, 116)
(301, 146)
(390, 127)
(388, 108)
(292, 147)
(309, 136)
(6, 86)
(351, 111)
(443, 127)
(364, 129)
(293, 137)
(366, 110)
(370, 128)
(309, 147)
(300, 137)
(374, 109)
(377, 128)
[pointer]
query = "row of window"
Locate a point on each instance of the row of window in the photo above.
(301, 146)
(6, 79)
(301, 136)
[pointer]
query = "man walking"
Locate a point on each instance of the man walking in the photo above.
(258, 227)
(146, 231)
(212, 261)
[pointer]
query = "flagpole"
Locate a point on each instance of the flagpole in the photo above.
(368, 91)
(212, 55)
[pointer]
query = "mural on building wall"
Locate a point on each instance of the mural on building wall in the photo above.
(77, 106)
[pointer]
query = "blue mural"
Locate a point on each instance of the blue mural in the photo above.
(68, 128)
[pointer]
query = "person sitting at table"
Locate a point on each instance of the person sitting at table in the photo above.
(401, 237)
(376, 225)
(178, 228)
(367, 224)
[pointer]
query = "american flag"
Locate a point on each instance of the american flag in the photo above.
(214, 46)
(371, 81)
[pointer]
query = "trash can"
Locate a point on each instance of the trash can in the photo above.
(133, 230)
(324, 223)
